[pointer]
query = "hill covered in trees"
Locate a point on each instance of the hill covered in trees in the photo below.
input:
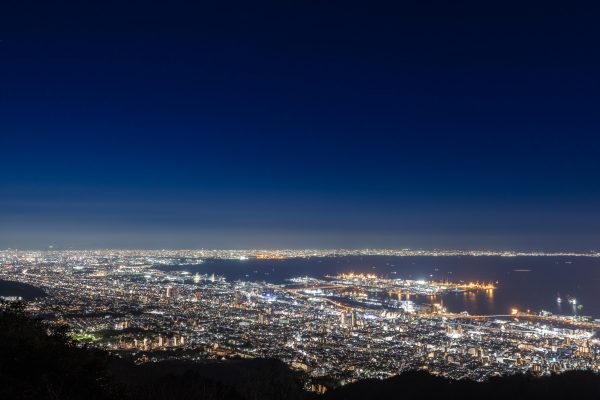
(420, 384)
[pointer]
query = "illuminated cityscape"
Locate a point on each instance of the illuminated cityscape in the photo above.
(344, 327)
(299, 200)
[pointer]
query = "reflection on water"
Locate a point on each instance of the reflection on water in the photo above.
(522, 282)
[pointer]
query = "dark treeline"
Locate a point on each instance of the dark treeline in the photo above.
(40, 361)
(419, 384)
(20, 289)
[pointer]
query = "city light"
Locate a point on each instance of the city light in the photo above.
(144, 305)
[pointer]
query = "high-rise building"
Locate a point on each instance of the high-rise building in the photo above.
(197, 278)
(343, 318)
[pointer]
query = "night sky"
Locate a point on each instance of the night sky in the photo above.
(300, 124)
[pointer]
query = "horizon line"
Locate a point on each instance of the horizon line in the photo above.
(328, 251)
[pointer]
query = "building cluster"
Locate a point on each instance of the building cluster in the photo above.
(196, 256)
(342, 328)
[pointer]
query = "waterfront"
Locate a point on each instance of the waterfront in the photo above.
(525, 282)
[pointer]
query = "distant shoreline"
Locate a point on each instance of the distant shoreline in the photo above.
(308, 253)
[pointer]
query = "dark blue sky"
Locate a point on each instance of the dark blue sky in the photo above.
(300, 124)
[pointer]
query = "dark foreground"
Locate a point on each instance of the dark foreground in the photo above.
(41, 362)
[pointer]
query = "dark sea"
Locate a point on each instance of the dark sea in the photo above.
(526, 283)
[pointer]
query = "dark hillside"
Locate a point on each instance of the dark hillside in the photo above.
(570, 385)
